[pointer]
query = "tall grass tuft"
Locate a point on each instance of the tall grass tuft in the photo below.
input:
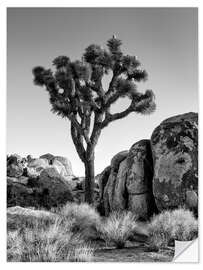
(173, 225)
(118, 228)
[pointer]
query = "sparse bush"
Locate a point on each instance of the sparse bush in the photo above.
(179, 225)
(56, 243)
(85, 219)
(160, 230)
(118, 228)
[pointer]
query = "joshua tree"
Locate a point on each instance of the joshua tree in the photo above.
(77, 94)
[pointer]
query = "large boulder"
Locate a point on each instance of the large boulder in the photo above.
(103, 179)
(108, 190)
(38, 163)
(59, 167)
(14, 158)
(155, 174)
(15, 170)
(29, 158)
(14, 166)
(175, 152)
(32, 172)
(55, 189)
(36, 166)
(128, 185)
(117, 159)
(57, 161)
(66, 163)
(139, 177)
(48, 156)
(117, 196)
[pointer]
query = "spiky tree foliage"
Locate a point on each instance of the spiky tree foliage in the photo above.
(77, 94)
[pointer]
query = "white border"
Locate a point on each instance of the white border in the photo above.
(104, 3)
(71, 3)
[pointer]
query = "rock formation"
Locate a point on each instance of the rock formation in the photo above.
(38, 184)
(14, 166)
(129, 182)
(155, 174)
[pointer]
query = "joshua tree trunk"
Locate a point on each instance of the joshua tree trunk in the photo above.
(89, 180)
(87, 156)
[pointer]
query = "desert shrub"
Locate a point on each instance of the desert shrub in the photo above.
(178, 224)
(56, 243)
(84, 218)
(160, 230)
(185, 225)
(118, 228)
(84, 213)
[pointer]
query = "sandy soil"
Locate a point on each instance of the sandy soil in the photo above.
(137, 253)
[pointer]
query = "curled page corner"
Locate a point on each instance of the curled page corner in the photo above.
(186, 251)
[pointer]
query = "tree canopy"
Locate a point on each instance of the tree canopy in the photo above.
(76, 91)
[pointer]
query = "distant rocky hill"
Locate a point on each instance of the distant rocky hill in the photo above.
(156, 174)
(46, 181)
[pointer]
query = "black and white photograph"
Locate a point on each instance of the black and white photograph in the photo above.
(102, 133)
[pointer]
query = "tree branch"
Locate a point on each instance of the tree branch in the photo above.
(82, 132)
(95, 134)
(141, 103)
(78, 144)
(96, 88)
(111, 86)
(112, 98)
(112, 117)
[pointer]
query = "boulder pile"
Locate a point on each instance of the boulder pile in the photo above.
(156, 174)
(41, 182)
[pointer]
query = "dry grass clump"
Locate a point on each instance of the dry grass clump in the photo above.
(55, 243)
(118, 228)
(19, 217)
(84, 213)
(185, 225)
(84, 253)
(178, 224)
(85, 219)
